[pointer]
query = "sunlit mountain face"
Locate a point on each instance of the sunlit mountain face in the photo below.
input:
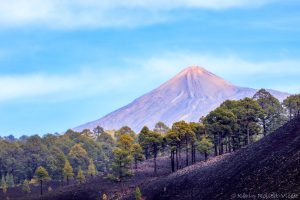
(191, 94)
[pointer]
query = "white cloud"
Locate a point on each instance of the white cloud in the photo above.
(60, 86)
(148, 72)
(104, 13)
(278, 74)
(170, 62)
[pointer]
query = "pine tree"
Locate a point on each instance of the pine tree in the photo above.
(3, 185)
(122, 156)
(121, 161)
(26, 186)
(78, 156)
(91, 168)
(204, 146)
(98, 131)
(272, 115)
(41, 175)
(161, 128)
(220, 124)
(137, 153)
(68, 171)
(2, 181)
(172, 139)
(138, 194)
(292, 104)
(124, 130)
(186, 135)
(155, 140)
(80, 176)
(150, 141)
(143, 141)
(10, 181)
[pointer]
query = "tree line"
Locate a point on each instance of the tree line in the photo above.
(80, 155)
(234, 124)
(72, 156)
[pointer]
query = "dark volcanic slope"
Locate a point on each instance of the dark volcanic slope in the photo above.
(270, 165)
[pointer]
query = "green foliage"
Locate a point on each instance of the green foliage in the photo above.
(272, 115)
(173, 141)
(105, 138)
(35, 153)
(198, 129)
(183, 129)
(10, 181)
(68, 171)
(122, 155)
(137, 153)
(138, 194)
(112, 177)
(55, 163)
(78, 157)
(41, 174)
(2, 181)
(229, 127)
(150, 141)
(292, 104)
(23, 157)
(187, 137)
(248, 113)
(26, 186)
(121, 162)
(184, 132)
(3, 185)
(91, 168)
(205, 145)
(125, 142)
(221, 125)
(142, 138)
(161, 128)
(80, 176)
(98, 131)
(87, 133)
(124, 130)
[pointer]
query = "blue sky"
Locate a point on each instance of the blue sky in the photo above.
(64, 63)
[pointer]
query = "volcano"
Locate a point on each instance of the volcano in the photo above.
(191, 94)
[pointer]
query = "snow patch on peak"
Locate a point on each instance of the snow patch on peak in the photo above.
(193, 70)
(178, 97)
(184, 117)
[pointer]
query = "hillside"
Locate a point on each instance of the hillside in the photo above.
(192, 93)
(94, 189)
(271, 165)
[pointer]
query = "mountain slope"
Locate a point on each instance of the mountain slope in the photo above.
(268, 166)
(191, 94)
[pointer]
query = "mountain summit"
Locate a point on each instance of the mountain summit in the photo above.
(197, 83)
(191, 94)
